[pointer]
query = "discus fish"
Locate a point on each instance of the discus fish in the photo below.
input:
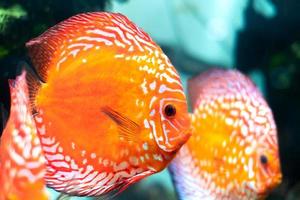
(22, 164)
(233, 152)
(109, 106)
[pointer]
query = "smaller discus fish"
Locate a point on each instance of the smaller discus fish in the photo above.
(233, 152)
(21, 159)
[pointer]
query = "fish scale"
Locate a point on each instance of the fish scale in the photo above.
(100, 104)
(232, 128)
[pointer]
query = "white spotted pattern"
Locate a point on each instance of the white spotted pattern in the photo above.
(228, 106)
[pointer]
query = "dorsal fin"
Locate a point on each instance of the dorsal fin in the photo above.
(53, 45)
(42, 50)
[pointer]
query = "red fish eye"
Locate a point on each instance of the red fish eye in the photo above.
(263, 159)
(170, 110)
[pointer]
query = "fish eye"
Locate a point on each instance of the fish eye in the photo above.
(263, 159)
(170, 110)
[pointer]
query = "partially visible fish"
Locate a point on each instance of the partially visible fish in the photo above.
(22, 164)
(233, 152)
(109, 106)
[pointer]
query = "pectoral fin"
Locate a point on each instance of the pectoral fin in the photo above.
(128, 129)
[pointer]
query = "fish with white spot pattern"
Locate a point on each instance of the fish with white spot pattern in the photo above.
(233, 152)
(22, 163)
(108, 104)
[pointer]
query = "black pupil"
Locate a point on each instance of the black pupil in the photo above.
(263, 159)
(170, 110)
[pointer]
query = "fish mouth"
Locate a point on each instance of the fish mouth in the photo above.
(275, 182)
(263, 191)
(179, 141)
(185, 137)
(182, 138)
(170, 139)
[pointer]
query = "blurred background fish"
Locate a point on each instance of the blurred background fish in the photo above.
(102, 77)
(22, 163)
(233, 153)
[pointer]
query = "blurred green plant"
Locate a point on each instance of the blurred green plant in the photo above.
(8, 14)
(283, 66)
(3, 51)
(296, 49)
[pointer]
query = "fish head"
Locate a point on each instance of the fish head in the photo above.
(266, 163)
(168, 115)
(255, 136)
(166, 126)
(173, 130)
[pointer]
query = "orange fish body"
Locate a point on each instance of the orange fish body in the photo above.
(233, 152)
(110, 108)
(22, 164)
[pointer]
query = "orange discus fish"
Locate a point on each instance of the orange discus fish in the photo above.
(109, 106)
(22, 163)
(233, 153)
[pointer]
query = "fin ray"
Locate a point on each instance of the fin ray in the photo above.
(128, 129)
(33, 83)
